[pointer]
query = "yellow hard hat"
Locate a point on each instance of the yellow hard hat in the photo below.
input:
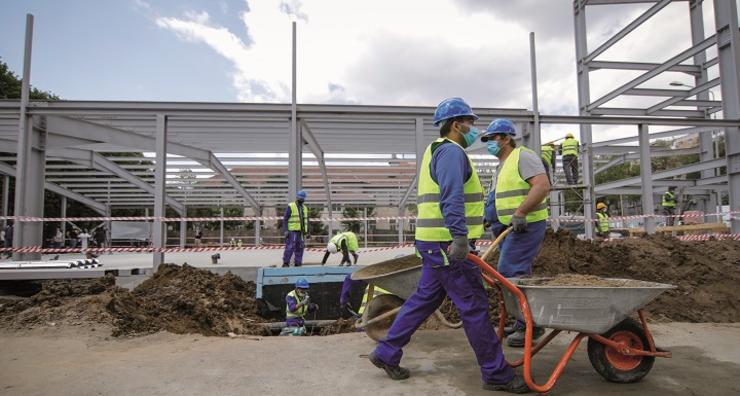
(600, 206)
(569, 135)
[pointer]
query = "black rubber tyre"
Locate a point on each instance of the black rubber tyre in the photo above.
(614, 366)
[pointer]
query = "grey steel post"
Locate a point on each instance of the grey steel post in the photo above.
(365, 225)
(401, 213)
(221, 228)
(295, 160)
(706, 146)
(258, 230)
(63, 215)
(183, 232)
(160, 174)
(646, 176)
(108, 214)
(535, 139)
(728, 49)
(584, 99)
(6, 191)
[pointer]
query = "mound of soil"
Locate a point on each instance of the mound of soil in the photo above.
(582, 280)
(706, 273)
(184, 299)
(339, 327)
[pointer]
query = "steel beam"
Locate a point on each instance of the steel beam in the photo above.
(313, 144)
(702, 46)
(656, 135)
(698, 167)
(159, 237)
(584, 97)
(646, 178)
(215, 164)
(615, 65)
(726, 20)
(677, 99)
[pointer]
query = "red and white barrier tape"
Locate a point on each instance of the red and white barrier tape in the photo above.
(706, 237)
(321, 219)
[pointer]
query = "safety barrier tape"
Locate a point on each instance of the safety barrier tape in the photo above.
(706, 237)
(321, 219)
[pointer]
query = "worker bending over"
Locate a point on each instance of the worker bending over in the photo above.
(295, 229)
(602, 217)
(449, 220)
(297, 305)
(519, 202)
(347, 243)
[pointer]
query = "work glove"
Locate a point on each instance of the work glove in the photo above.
(306, 300)
(519, 224)
(285, 234)
(459, 248)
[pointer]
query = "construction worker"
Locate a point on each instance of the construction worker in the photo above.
(345, 294)
(297, 305)
(295, 229)
(602, 225)
(569, 151)
(521, 189)
(669, 205)
(450, 218)
(548, 155)
(347, 243)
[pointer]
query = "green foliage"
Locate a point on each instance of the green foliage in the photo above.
(349, 211)
(315, 227)
(10, 86)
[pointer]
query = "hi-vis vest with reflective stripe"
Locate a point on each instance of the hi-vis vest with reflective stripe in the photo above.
(430, 224)
(294, 221)
(352, 244)
(512, 190)
(547, 154)
(299, 312)
(669, 200)
(570, 147)
(603, 221)
(376, 292)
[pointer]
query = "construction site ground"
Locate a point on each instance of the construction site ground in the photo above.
(82, 360)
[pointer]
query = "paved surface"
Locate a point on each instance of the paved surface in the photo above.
(78, 361)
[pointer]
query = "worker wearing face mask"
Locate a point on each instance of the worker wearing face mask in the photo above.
(521, 188)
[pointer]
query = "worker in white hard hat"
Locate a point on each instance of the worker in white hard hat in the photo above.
(347, 243)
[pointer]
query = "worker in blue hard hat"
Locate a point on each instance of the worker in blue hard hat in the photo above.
(295, 229)
(519, 201)
(450, 219)
(297, 305)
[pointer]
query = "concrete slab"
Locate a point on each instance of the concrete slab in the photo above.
(79, 361)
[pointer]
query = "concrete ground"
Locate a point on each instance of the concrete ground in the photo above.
(80, 361)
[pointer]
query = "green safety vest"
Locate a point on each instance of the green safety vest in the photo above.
(351, 238)
(299, 312)
(546, 155)
(512, 190)
(376, 292)
(669, 200)
(294, 221)
(603, 221)
(570, 147)
(430, 224)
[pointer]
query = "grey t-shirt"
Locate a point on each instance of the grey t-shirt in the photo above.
(530, 165)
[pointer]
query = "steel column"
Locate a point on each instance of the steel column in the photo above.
(160, 174)
(728, 48)
(183, 233)
(63, 215)
(584, 98)
(535, 138)
(6, 191)
(221, 228)
(295, 156)
(646, 175)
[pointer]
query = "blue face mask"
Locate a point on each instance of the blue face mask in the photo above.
(470, 136)
(493, 147)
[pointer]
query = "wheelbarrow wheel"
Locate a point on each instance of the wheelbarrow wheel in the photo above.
(613, 365)
(377, 306)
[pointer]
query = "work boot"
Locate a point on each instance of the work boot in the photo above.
(395, 372)
(286, 265)
(515, 385)
(516, 339)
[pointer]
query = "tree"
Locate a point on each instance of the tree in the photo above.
(354, 225)
(10, 86)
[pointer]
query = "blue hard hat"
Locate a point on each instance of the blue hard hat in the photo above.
(301, 283)
(301, 194)
(450, 108)
(500, 126)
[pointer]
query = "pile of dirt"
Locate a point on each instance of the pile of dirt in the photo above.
(581, 280)
(706, 273)
(57, 302)
(184, 299)
(339, 327)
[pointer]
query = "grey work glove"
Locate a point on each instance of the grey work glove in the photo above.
(519, 224)
(459, 248)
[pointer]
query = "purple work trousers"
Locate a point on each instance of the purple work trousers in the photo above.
(463, 283)
(294, 245)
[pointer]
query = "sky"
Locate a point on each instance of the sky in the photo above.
(380, 52)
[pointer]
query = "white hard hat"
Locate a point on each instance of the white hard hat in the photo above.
(331, 247)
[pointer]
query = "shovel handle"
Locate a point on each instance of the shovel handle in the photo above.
(492, 249)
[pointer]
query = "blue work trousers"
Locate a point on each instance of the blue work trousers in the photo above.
(519, 250)
(462, 282)
(294, 245)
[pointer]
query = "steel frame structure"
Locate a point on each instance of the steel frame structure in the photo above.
(357, 155)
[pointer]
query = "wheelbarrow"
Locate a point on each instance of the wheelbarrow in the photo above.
(620, 348)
